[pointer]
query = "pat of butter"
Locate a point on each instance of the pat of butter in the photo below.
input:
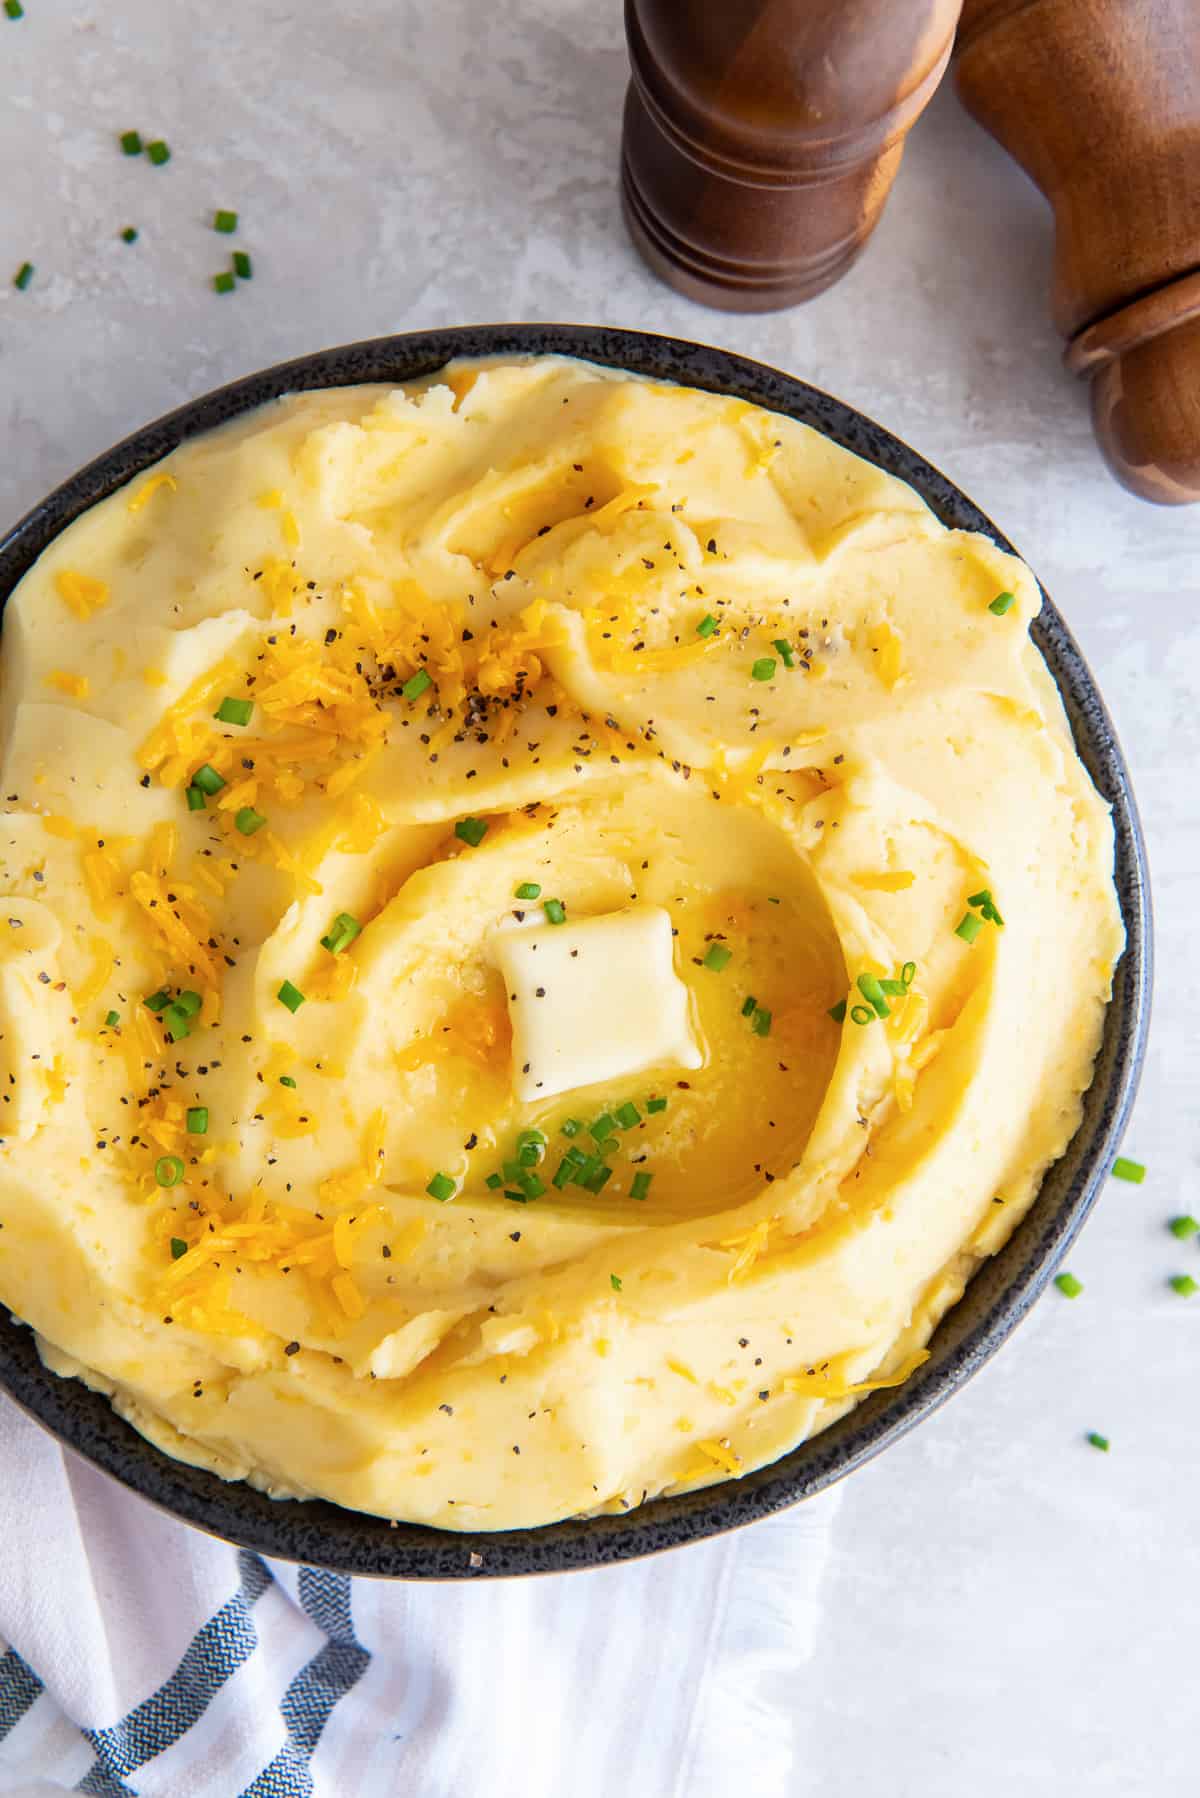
(593, 1000)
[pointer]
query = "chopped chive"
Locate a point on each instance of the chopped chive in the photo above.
(838, 1012)
(416, 684)
(861, 1014)
(176, 1023)
(241, 265)
(528, 889)
(641, 1185)
(1133, 1171)
(23, 276)
(207, 779)
(562, 1173)
(556, 911)
(234, 711)
(129, 234)
(471, 830)
(157, 1001)
(1002, 603)
(511, 1192)
(131, 143)
(158, 152)
(656, 1104)
(1068, 1285)
(168, 1170)
(763, 669)
(14, 9)
(224, 282)
(1183, 1227)
(494, 1181)
(748, 1005)
(895, 989)
(969, 927)
(291, 996)
(908, 974)
(984, 902)
(178, 1248)
(248, 820)
(441, 1188)
(582, 1171)
(872, 992)
(706, 626)
(614, 1281)
(197, 1120)
(528, 1155)
(760, 1023)
(785, 651)
(189, 1003)
(532, 1185)
(627, 1115)
(571, 1126)
(531, 1138)
(196, 801)
(603, 1128)
(1098, 1441)
(226, 222)
(717, 956)
(599, 1180)
(287, 1080)
(342, 933)
(1184, 1285)
(112, 1020)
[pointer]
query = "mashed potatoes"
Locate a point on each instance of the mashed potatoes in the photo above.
(549, 923)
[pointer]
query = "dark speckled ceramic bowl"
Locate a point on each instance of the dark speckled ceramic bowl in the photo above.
(1003, 1289)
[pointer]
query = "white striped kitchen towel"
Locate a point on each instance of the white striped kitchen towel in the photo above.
(139, 1656)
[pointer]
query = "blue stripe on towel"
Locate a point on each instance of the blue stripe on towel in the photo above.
(99, 1784)
(214, 1654)
(309, 1700)
(19, 1686)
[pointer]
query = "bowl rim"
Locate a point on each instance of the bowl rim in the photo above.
(1003, 1288)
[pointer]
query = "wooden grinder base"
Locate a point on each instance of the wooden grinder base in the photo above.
(1099, 101)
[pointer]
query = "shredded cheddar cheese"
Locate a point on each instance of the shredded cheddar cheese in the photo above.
(682, 1369)
(156, 483)
(884, 881)
(103, 962)
(816, 1384)
(73, 686)
(886, 648)
(56, 1080)
(181, 926)
(749, 1245)
(721, 1455)
(81, 592)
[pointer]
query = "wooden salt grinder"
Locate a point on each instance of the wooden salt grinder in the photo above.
(762, 137)
(1099, 101)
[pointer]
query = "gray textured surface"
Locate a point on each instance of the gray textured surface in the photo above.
(1002, 1606)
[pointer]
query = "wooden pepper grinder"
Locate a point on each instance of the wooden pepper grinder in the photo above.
(762, 137)
(1099, 101)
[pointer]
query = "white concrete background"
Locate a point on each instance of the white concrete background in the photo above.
(1003, 1608)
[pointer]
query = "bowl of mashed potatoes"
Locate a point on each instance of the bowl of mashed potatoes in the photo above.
(574, 950)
